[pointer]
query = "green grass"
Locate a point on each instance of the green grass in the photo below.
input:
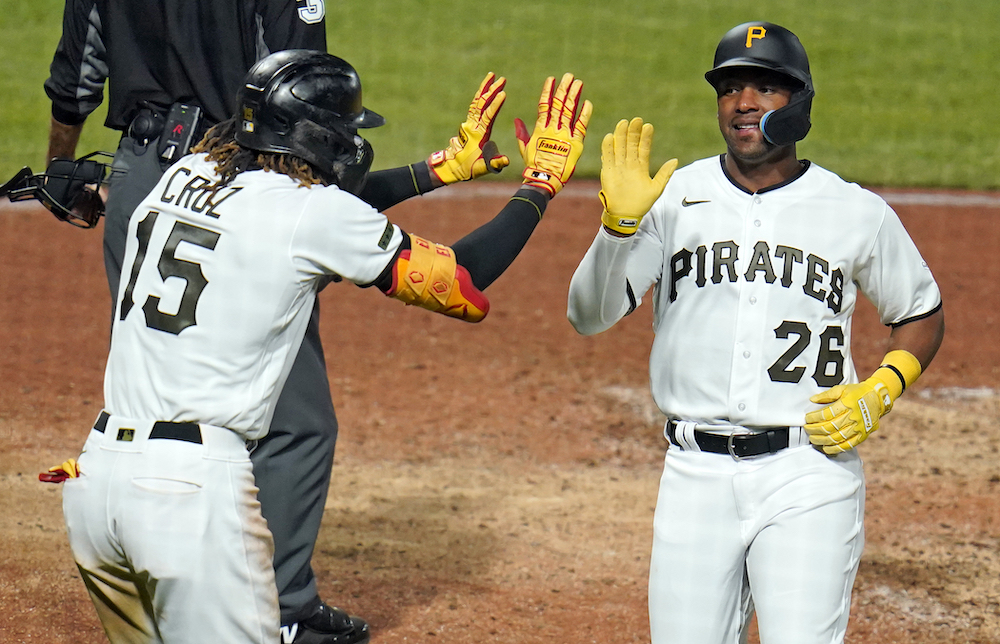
(903, 88)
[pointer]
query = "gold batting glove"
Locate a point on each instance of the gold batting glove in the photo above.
(472, 154)
(552, 150)
(627, 193)
(852, 412)
(59, 473)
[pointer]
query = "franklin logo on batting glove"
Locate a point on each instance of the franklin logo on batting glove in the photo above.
(552, 150)
(553, 146)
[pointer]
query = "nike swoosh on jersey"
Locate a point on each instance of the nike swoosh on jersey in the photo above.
(686, 203)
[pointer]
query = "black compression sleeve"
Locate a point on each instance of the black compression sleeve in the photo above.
(386, 188)
(487, 251)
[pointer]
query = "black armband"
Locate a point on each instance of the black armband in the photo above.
(899, 374)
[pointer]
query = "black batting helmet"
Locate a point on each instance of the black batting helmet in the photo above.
(308, 103)
(765, 45)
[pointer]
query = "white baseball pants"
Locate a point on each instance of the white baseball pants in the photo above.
(781, 534)
(169, 537)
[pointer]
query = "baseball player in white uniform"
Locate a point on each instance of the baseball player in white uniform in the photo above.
(756, 259)
(223, 264)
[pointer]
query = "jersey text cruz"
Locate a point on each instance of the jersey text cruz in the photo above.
(198, 194)
(785, 264)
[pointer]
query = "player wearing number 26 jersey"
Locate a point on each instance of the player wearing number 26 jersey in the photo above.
(790, 260)
(755, 260)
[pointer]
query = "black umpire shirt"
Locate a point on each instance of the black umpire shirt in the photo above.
(167, 51)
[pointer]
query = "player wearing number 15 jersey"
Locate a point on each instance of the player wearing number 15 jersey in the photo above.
(756, 260)
(224, 261)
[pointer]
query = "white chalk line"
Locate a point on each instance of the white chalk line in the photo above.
(959, 393)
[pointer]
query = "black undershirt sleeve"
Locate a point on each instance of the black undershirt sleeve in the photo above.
(487, 251)
(490, 249)
(386, 188)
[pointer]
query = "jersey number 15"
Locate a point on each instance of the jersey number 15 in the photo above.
(170, 266)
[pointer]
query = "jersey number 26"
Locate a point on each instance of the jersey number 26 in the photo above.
(829, 355)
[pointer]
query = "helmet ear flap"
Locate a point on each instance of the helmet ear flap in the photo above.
(353, 176)
(281, 124)
(341, 155)
(790, 123)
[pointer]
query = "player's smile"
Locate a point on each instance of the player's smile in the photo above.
(747, 128)
(743, 99)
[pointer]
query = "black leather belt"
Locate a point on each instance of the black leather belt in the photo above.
(189, 432)
(766, 441)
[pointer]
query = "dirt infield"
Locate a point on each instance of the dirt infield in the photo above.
(496, 482)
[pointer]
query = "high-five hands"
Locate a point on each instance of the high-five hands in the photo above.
(627, 191)
(552, 150)
(471, 153)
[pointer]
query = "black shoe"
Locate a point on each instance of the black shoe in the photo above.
(327, 625)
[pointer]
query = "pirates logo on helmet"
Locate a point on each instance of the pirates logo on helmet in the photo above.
(769, 46)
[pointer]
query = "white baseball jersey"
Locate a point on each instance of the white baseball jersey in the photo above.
(753, 297)
(218, 286)
(753, 293)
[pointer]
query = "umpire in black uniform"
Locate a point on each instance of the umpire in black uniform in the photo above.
(174, 68)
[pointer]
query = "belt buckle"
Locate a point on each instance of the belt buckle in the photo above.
(731, 443)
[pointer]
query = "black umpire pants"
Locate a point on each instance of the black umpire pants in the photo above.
(292, 464)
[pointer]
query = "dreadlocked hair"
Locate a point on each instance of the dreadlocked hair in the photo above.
(231, 158)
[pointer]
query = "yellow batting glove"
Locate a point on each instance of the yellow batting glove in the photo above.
(59, 473)
(852, 412)
(552, 150)
(852, 416)
(472, 154)
(627, 192)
